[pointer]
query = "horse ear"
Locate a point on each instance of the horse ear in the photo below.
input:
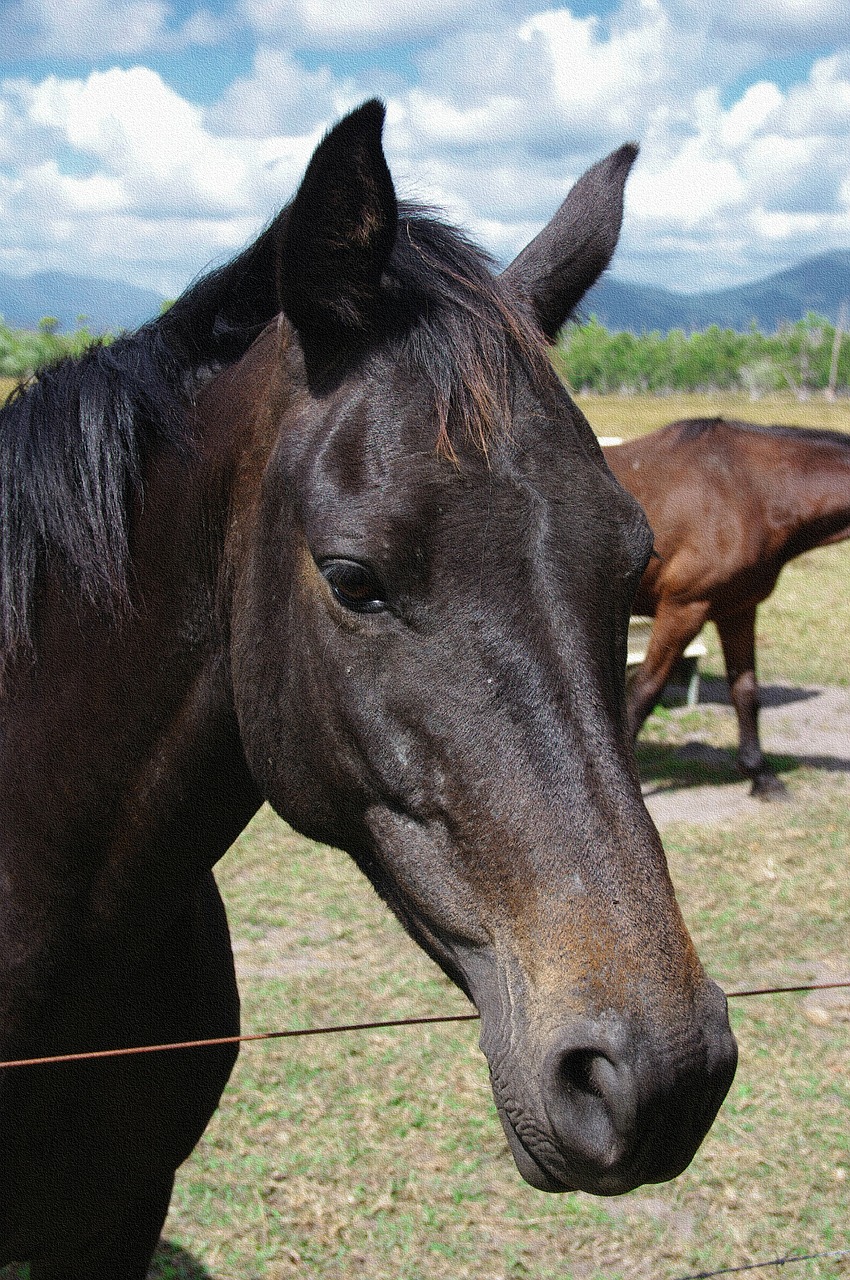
(339, 233)
(560, 264)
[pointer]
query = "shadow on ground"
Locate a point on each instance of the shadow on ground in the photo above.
(806, 725)
(714, 691)
(170, 1262)
(696, 764)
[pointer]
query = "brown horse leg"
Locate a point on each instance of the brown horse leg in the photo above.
(738, 638)
(674, 628)
(123, 1252)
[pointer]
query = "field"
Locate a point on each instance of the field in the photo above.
(379, 1154)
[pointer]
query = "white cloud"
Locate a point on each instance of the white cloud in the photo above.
(767, 27)
(280, 96)
(120, 157)
(600, 78)
(745, 194)
(93, 28)
(141, 131)
(821, 106)
(340, 24)
(505, 107)
(528, 108)
(750, 113)
(778, 23)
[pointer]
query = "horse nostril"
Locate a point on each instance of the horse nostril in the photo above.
(598, 1092)
(627, 1104)
(591, 1101)
(581, 1071)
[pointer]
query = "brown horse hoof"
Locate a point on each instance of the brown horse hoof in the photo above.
(766, 786)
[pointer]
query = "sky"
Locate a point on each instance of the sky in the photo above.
(146, 140)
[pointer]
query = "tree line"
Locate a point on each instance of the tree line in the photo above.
(801, 358)
(24, 351)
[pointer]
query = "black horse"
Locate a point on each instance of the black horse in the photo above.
(371, 566)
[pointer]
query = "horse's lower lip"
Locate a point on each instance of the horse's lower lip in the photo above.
(612, 1181)
(533, 1171)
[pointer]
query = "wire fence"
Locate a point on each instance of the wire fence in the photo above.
(787, 1260)
(254, 1037)
(774, 1262)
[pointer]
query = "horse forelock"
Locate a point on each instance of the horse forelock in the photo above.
(460, 329)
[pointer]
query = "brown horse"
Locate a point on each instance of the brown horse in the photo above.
(729, 503)
(370, 566)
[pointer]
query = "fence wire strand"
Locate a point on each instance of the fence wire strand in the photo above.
(775, 1262)
(93, 1054)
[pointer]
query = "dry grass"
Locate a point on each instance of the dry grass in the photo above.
(630, 416)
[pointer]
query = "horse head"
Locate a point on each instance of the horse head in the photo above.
(440, 565)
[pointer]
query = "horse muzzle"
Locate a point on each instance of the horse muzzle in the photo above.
(613, 1102)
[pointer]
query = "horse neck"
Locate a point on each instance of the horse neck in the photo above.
(813, 491)
(183, 655)
(122, 777)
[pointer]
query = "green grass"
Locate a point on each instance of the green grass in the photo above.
(379, 1153)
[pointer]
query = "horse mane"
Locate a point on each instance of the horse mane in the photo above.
(71, 450)
(459, 328)
(693, 428)
(74, 438)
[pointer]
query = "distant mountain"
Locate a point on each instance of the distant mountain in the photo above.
(819, 284)
(106, 305)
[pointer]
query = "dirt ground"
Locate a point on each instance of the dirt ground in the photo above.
(811, 723)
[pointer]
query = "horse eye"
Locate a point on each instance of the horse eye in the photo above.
(354, 586)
